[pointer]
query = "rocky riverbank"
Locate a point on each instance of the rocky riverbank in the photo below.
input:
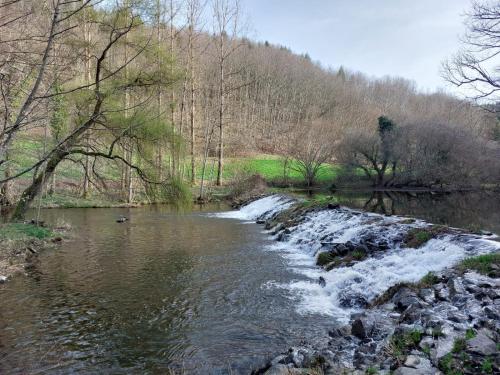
(413, 298)
(21, 244)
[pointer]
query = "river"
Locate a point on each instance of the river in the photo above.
(192, 291)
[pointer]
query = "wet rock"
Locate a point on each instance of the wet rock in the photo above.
(278, 370)
(492, 312)
(333, 206)
(442, 292)
(455, 287)
(405, 298)
(482, 344)
(322, 281)
(260, 222)
(121, 219)
(278, 360)
(358, 329)
(3, 279)
(299, 357)
(348, 299)
(412, 314)
(427, 295)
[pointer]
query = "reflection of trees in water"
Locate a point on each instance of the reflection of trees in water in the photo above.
(470, 210)
(380, 202)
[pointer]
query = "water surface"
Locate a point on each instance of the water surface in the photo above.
(165, 290)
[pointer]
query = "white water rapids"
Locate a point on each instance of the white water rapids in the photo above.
(347, 288)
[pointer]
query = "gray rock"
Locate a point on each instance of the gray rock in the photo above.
(492, 312)
(359, 328)
(442, 292)
(3, 279)
(279, 359)
(427, 343)
(278, 370)
(416, 365)
(444, 345)
(427, 295)
(455, 287)
(405, 298)
(482, 344)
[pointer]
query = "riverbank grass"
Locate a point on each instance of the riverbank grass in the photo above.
(21, 232)
(484, 264)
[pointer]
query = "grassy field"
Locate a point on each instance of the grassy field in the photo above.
(271, 168)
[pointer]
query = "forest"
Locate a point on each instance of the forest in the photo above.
(156, 101)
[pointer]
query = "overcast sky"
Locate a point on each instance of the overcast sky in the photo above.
(406, 38)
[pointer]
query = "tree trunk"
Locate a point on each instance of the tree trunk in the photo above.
(36, 186)
(220, 158)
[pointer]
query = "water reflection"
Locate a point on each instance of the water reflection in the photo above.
(470, 210)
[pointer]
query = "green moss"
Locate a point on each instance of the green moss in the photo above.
(371, 371)
(19, 231)
(482, 263)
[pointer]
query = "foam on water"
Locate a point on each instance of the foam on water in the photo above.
(349, 288)
(261, 209)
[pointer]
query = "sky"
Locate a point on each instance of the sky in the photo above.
(404, 38)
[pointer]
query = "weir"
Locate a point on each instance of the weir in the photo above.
(388, 261)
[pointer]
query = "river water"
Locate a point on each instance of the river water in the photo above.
(196, 291)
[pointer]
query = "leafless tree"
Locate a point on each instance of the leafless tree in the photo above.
(475, 66)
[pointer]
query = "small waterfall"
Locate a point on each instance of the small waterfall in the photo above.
(349, 289)
(261, 209)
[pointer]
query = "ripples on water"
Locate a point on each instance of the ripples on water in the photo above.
(164, 290)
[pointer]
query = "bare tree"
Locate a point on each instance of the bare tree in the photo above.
(226, 22)
(475, 66)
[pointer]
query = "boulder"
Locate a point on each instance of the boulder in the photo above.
(405, 298)
(358, 329)
(482, 344)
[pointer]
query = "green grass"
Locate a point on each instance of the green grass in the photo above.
(272, 169)
(19, 231)
(324, 258)
(428, 280)
(482, 263)
(418, 237)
